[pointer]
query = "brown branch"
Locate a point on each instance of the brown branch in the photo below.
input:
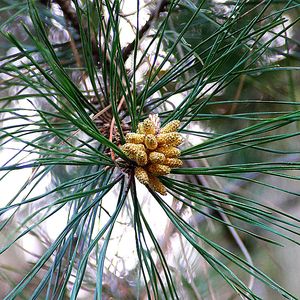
(71, 15)
(45, 2)
(153, 15)
(69, 12)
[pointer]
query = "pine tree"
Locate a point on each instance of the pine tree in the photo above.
(167, 163)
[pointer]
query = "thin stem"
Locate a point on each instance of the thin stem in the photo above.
(112, 125)
(153, 14)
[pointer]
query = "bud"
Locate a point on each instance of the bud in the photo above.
(170, 127)
(171, 139)
(141, 158)
(149, 126)
(156, 157)
(141, 175)
(156, 185)
(169, 151)
(135, 138)
(158, 169)
(173, 162)
(150, 142)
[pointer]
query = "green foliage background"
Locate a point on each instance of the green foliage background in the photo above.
(227, 70)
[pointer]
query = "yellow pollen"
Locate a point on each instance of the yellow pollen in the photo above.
(141, 175)
(154, 151)
(156, 185)
(135, 138)
(158, 169)
(141, 128)
(141, 158)
(170, 127)
(169, 151)
(149, 126)
(173, 162)
(171, 139)
(150, 142)
(156, 157)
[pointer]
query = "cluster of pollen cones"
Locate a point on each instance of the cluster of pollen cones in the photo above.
(154, 151)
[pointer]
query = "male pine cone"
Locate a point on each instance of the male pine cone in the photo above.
(154, 151)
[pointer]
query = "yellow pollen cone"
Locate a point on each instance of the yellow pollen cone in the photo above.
(141, 158)
(169, 151)
(173, 162)
(150, 142)
(156, 185)
(135, 138)
(156, 157)
(149, 127)
(141, 175)
(170, 127)
(158, 169)
(171, 139)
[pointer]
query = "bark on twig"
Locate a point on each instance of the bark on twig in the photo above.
(71, 16)
(153, 15)
(45, 2)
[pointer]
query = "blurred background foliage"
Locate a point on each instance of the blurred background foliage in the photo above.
(244, 58)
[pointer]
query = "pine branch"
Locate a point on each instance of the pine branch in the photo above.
(45, 2)
(153, 15)
(71, 15)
